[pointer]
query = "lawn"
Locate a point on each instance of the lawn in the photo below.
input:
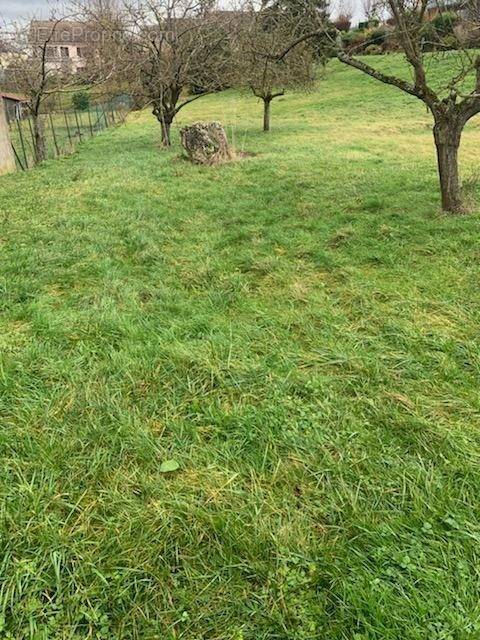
(298, 331)
(63, 130)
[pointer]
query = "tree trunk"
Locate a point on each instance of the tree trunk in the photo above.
(165, 119)
(206, 143)
(39, 139)
(266, 114)
(166, 124)
(447, 141)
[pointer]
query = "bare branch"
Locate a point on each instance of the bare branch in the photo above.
(378, 75)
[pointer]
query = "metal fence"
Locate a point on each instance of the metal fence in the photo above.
(62, 130)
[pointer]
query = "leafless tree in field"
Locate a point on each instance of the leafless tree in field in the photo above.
(452, 103)
(260, 35)
(34, 69)
(29, 71)
(168, 48)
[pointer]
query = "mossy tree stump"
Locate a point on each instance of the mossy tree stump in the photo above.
(206, 143)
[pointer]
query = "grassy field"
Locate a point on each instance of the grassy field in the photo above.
(63, 130)
(297, 331)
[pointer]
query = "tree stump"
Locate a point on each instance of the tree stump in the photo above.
(206, 143)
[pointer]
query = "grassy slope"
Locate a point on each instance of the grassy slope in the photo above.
(299, 330)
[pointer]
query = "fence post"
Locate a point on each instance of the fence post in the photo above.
(78, 126)
(105, 116)
(97, 124)
(54, 134)
(22, 142)
(7, 159)
(90, 123)
(68, 129)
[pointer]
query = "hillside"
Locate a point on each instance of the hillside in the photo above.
(297, 330)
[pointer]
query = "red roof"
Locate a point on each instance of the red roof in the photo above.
(13, 96)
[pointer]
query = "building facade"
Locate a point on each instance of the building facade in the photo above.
(69, 44)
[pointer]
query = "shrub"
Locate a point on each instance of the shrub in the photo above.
(359, 40)
(343, 22)
(445, 22)
(373, 50)
(449, 42)
(81, 101)
(348, 37)
(377, 36)
(354, 40)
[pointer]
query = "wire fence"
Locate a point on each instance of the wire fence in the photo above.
(61, 131)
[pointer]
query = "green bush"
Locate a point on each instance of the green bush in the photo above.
(81, 101)
(377, 36)
(354, 40)
(347, 37)
(373, 50)
(359, 40)
(445, 22)
(439, 34)
(449, 42)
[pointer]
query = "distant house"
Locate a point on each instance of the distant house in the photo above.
(14, 105)
(70, 43)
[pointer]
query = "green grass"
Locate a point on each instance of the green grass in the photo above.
(62, 132)
(298, 330)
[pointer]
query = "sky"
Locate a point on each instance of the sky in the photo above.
(15, 9)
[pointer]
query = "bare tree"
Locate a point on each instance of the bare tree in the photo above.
(370, 9)
(300, 17)
(37, 70)
(168, 48)
(343, 22)
(107, 64)
(341, 8)
(32, 71)
(452, 105)
(260, 36)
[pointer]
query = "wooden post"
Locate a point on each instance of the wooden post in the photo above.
(78, 126)
(54, 134)
(105, 116)
(90, 123)
(22, 142)
(7, 158)
(68, 129)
